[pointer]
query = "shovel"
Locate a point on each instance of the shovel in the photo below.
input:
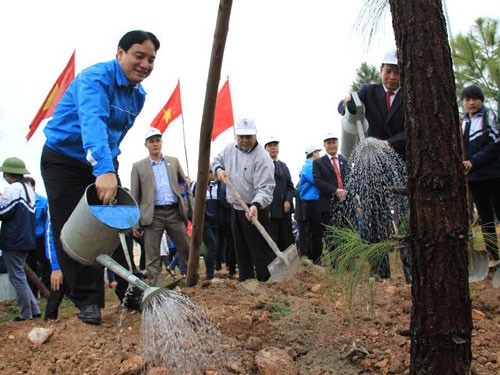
(286, 261)
(478, 264)
(496, 279)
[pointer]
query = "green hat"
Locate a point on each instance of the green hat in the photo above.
(14, 166)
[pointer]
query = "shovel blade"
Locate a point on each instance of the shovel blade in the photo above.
(496, 279)
(478, 265)
(278, 268)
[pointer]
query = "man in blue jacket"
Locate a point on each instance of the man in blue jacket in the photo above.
(309, 195)
(82, 146)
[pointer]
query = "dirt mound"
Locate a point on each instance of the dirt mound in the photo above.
(303, 322)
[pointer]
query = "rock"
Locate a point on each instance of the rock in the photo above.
(39, 335)
(477, 315)
(158, 371)
(382, 364)
(272, 361)
(396, 366)
(316, 288)
(131, 366)
(391, 291)
(253, 343)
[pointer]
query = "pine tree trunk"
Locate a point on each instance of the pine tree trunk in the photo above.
(441, 320)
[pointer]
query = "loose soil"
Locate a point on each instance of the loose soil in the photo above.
(306, 316)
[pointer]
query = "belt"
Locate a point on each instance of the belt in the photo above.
(166, 205)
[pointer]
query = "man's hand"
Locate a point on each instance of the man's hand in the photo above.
(56, 279)
(467, 166)
(346, 99)
(252, 212)
(221, 175)
(106, 186)
(341, 194)
(136, 232)
(287, 207)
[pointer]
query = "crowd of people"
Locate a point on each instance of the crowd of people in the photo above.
(82, 148)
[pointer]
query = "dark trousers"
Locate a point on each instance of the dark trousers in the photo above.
(486, 196)
(65, 181)
(253, 252)
(210, 240)
(38, 262)
(280, 230)
(312, 231)
(226, 242)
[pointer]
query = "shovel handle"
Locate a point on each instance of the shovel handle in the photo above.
(257, 224)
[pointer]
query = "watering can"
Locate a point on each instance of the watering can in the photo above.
(93, 232)
(354, 125)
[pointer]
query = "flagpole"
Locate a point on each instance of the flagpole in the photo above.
(185, 149)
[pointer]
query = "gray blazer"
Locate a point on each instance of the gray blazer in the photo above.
(143, 188)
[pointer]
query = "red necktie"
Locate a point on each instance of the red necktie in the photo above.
(388, 95)
(337, 172)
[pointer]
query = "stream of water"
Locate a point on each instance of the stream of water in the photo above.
(178, 335)
(371, 205)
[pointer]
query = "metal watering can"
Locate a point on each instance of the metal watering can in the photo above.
(92, 233)
(354, 126)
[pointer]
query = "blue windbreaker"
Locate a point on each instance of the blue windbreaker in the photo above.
(93, 116)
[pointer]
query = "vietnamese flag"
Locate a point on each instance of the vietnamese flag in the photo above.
(55, 94)
(223, 118)
(170, 111)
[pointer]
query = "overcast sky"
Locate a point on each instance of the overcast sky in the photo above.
(289, 62)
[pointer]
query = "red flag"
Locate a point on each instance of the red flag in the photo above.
(170, 111)
(223, 117)
(55, 94)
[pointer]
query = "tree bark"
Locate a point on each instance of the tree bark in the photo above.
(207, 121)
(441, 320)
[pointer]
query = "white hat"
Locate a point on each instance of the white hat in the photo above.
(391, 57)
(271, 139)
(151, 132)
(329, 135)
(245, 126)
(311, 148)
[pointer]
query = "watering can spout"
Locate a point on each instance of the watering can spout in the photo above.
(148, 292)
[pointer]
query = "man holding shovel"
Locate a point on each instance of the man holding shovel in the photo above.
(82, 146)
(249, 168)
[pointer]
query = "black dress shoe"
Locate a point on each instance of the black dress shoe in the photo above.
(18, 319)
(90, 314)
(39, 315)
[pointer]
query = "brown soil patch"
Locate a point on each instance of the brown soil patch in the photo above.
(310, 322)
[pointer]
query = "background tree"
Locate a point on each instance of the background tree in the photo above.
(441, 321)
(365, 74)
(476, 57)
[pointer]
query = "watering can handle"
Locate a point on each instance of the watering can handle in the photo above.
(359, 109)
(257, 224)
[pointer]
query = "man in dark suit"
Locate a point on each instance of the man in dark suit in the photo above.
(383, 106)
(156, 186)
(385, 114)
(281, 207)
(329, 172)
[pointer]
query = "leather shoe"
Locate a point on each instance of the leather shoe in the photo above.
(90, 314)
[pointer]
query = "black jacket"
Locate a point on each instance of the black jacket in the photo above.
(325, 180)
(283, 191)
(388, 126)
